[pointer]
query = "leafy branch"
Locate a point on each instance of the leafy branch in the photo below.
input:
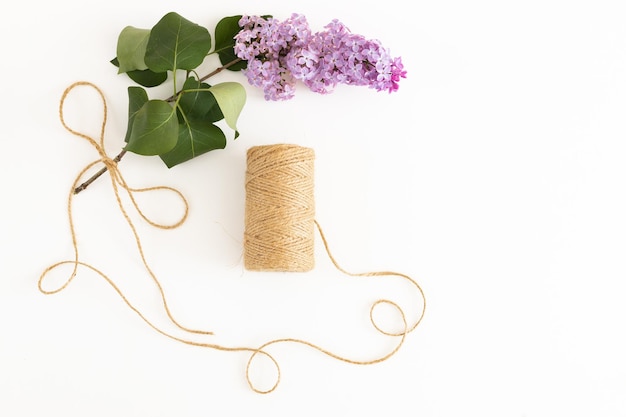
(183, 126)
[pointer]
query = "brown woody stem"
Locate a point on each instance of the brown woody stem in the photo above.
(97, 174)
(220, 69)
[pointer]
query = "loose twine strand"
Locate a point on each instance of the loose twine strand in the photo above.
(118, 182)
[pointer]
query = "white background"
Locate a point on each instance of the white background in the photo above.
(494, 177)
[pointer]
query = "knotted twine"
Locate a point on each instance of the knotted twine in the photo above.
(279, 222)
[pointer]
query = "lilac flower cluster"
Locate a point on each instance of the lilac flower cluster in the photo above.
(279, 53)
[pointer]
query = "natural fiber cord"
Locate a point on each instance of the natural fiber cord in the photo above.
(280, 229)
(280, 209)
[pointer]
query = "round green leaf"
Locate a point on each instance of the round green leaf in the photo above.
(199, 104)
(176, 43)
(145, 77)
(131, 49)
(225, 32)
(195, 138)
(137, 97)
(231, 97)
(154, 130)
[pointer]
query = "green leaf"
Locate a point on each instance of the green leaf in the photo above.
(176, 43)
(137, 97)
(146, 77)
(131, 49)
(199, 104)
(195, 138)
(225, 31)
(215, 113)
(231, 98)
(154, 130)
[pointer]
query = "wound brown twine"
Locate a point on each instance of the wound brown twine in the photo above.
(280, 209)
(293, 165)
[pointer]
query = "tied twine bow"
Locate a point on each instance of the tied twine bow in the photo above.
(118, 182)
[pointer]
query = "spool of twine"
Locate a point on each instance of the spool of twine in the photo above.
(279, 209)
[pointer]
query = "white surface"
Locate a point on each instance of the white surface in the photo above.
(495, 177)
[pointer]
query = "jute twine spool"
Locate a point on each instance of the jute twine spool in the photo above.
(280, 209)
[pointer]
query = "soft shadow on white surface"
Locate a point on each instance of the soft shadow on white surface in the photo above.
(494, 177)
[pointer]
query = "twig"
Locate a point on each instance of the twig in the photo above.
(220, 69)
(98, 174)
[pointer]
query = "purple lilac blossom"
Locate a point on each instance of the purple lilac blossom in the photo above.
(264, 43)
(279, 53)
